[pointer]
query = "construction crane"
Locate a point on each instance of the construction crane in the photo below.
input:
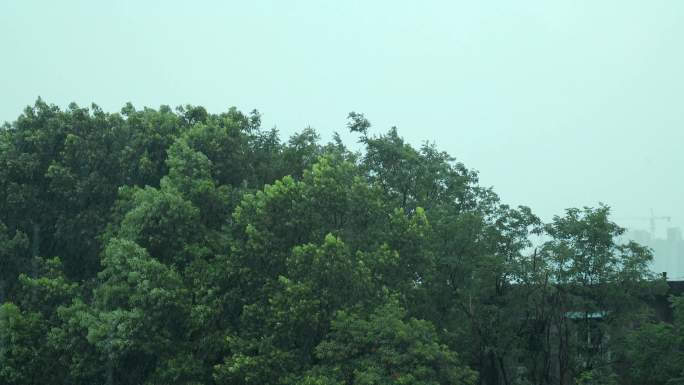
(652, 220)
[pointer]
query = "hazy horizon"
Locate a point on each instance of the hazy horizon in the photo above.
(557, 105)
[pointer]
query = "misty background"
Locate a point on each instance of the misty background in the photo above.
(557, 104)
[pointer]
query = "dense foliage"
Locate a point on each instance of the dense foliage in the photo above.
(183, 247)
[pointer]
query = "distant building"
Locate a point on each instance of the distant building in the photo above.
(668, 253)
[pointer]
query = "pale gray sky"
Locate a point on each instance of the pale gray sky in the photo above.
(556, 103)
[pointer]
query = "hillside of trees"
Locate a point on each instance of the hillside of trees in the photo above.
(177, 246)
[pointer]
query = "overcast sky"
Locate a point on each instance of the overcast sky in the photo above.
(556, 103)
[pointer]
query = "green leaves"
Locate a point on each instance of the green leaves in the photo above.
(655, 355)
(358, 123)
(22, 356)
(155, 247)
(14, 259)
(385, 348)
(139, 311)
(163, 223)
(655, 350)
(46, 288)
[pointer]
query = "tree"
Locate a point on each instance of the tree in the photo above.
(26, 357)
(654, 352)
(385, 348)
(597, 288)
(187, 247)
(60, 171)
(163, 223)
(22, 359)
(129, 322)
(14, 259)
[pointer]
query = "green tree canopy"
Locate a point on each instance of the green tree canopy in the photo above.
(162, 246)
